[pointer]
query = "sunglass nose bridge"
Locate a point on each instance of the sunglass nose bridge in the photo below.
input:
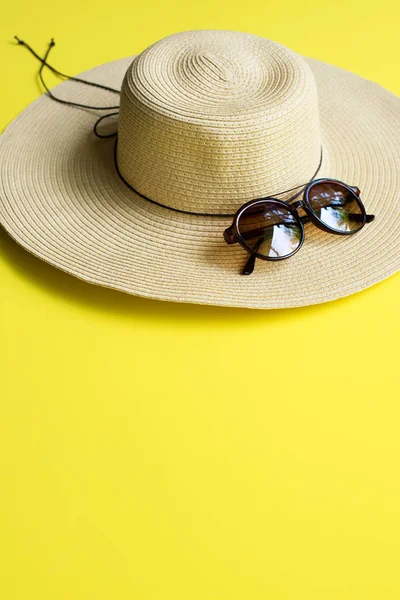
(297, 204)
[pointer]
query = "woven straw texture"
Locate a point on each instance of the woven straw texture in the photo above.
(208, 120)
(223, 117)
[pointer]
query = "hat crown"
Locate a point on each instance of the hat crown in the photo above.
(211, 119)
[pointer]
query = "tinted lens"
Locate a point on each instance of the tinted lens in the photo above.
(336, 206)
(270, 229)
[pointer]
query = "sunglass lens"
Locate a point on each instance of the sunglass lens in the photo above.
(270, 229)
(336, 206)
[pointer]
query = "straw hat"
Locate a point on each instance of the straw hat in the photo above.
(208, 120)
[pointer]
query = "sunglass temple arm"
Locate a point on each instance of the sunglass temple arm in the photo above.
(249, 266)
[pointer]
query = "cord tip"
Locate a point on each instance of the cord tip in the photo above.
(52, 42)
(18, 40)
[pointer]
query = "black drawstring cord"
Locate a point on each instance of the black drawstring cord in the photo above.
(99, 135)
(196, 214)
(44, 63)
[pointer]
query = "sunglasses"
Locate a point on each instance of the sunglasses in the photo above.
(272, 229)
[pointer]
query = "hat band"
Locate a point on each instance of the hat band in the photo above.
(199, 214)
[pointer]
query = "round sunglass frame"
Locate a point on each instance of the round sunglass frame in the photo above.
(232, 234)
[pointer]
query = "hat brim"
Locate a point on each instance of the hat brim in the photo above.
(62, 200)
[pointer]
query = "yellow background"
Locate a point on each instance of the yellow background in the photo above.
(158, 451)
